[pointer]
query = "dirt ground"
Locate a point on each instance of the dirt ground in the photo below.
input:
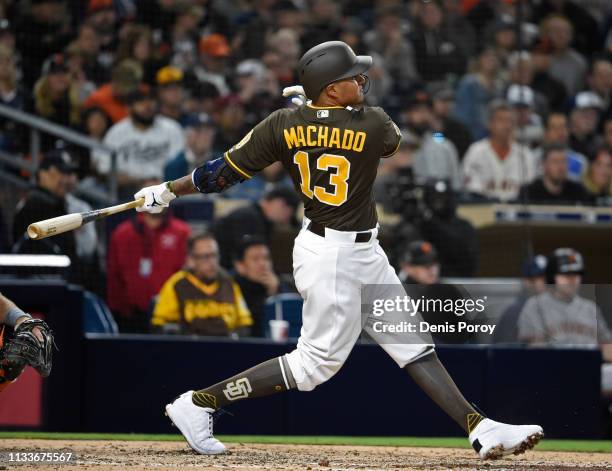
(116, 455)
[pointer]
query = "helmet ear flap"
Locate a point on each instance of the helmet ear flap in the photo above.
(366, 83)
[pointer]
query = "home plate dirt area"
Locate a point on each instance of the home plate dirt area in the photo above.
(145, 455)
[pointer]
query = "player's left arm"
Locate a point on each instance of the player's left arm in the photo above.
(252, 154)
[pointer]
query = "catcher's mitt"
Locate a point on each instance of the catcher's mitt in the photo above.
(24, 348)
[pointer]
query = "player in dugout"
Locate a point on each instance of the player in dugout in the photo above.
(331, 148)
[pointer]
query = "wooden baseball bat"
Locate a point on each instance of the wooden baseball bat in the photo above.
(50, 227)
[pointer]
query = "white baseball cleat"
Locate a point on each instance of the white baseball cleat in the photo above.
(492, 440)
(195, 423)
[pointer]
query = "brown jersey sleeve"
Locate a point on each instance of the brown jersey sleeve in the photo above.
(391, 136)
(256, 150)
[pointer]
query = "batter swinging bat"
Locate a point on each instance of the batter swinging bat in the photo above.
(50, 227)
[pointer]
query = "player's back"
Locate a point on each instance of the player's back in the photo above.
(332, 155)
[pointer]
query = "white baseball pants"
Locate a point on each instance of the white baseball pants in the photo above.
(329, 273)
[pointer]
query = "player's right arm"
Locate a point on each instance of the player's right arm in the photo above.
(253, 153)
(10, 314)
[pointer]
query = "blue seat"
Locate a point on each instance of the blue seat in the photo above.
(285, 306)
(97, 317)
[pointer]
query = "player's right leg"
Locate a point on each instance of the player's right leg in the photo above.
(325, 275)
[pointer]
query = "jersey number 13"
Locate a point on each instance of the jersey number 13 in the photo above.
(338, 180)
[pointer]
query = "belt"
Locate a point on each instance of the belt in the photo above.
(319, 230)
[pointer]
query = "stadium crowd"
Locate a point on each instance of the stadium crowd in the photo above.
(492, 106)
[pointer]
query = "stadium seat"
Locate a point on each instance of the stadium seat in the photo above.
(97, 317)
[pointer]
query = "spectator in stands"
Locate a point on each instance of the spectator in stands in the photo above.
(598, 179)
(102, 15)
(521, 73)
(214, 53)
(584, 25)
(454, 130)
(584, 118)
(95, 123)
(111, 97)
(543, 83)
(256, 278)
(600, 82)
(566, 65)
(258, 90)
(204, 96)
(502, 37)
(56, 97)
(557, 133)
(144, 142)
(41, 32)
(533, 283)
(88, 44)
(142, 254)
(436, 157)
(199, 137)
(323, 24)
(497, 166)
(553, 187)
(529, 129)
(420, 264)
(388, 41)
(48, 200)
(171, 93)
(276, 209)
(13, 96)
(230, 118)
(282, 71)
(286, 43)
(607, 133)
(183, 35)
(475, 91)
(75, 61)
(437, 56)
(458, 28)
(560, 316)
(204, 299)
(137, 46)
(455, 238)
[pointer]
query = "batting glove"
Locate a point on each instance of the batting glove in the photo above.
(156, 198)
(297, 93)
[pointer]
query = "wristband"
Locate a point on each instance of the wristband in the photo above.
(169, 186)
(13, 315)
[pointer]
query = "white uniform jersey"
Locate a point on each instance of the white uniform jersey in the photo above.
(141, 154)
(488, 175)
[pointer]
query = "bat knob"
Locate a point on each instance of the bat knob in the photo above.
(33, 232)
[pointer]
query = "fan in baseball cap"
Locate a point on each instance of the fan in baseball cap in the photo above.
(61, 159)
(419, 264)
(55, 64)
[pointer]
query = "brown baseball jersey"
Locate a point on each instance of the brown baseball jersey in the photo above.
(332, 155)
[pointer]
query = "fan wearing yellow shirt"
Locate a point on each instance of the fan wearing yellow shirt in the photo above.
(204, 299)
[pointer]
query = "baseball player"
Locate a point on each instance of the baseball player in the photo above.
(31, 344)
(331, 148)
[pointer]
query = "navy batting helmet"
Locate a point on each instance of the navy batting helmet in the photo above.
(328, 62)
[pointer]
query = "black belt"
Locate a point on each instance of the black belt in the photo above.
(319, 230)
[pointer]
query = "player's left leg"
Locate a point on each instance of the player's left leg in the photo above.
(414, 352)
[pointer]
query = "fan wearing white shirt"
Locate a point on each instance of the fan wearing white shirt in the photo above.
(497, 166)
(144, 142)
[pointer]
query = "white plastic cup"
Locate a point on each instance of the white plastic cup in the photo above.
(279, 330)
